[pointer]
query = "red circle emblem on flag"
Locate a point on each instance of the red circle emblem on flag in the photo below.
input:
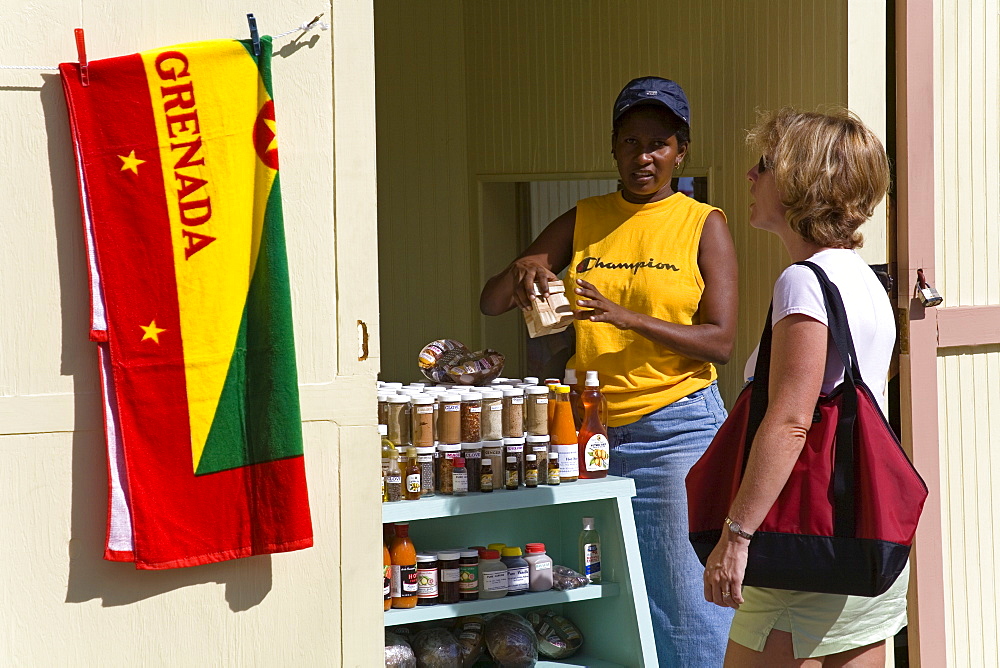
(265, 142)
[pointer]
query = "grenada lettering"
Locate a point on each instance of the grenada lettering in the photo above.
(193, 202)
(589, 263)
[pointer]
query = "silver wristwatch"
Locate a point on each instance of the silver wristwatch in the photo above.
(734, 527)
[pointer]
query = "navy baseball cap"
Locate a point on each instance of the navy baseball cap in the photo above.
(645, 90)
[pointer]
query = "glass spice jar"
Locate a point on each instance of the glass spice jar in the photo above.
(471, 411)
(422, 420)
(513, 413)
(539, 446)
(536, 410)
(399, 419)
(514, 447)
(383, 408)
(425, 460)
(491, 417)
(473, 455)
(450, 418)
(447, 453)
(450, 579)
(468, 585)
(493, 450)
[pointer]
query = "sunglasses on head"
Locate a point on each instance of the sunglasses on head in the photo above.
(762, 165)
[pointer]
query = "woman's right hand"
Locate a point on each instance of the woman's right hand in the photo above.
(524, 273)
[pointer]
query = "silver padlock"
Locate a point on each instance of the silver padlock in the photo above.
(929, 297)
(925, 292)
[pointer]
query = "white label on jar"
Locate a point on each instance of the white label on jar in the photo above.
(459, 484)
(397, 479)
(413, 482)
(540, 448)
(597, 453)
(452, 455)
(425, 409)
(517, 400)
(542, 400)
(451, 408)
(475, 409)
(592, 560)
(495, 580)
(473, 454)
(496, 407)
(451, 575)
(396, 593)
(427, 582)
(569, 464)
(517, 578)
(514, 448)
(543, 565)
(425, 458)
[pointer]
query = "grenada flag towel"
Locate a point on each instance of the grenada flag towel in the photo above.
(191, 310)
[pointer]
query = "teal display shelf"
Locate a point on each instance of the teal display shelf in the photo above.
(443, 505)
(578, 661)
(613, 617)
(522, 602)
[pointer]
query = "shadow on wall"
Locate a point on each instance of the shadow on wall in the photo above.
(247, 581)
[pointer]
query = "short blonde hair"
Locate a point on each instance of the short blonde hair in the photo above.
(830, 169)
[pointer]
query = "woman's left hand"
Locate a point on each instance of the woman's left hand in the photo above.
(724, 573)
(599, 308)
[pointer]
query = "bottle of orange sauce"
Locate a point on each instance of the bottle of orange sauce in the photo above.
(386, 576)
(594, 448)
(404, 568)
(562, 435)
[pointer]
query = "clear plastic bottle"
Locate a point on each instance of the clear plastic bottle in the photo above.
(517, 571)
(590, 551)
(492, 575)
(594, 448)
(539, 567)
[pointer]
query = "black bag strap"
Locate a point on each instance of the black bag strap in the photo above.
(840, 332)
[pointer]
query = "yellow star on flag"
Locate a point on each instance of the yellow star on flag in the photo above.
(273, 127)
(131, 162)
(151, 332)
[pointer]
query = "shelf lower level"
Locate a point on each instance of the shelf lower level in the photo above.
(443, 505)
(530, 600)
(578, 661)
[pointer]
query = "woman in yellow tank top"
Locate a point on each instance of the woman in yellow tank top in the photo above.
(655, 290)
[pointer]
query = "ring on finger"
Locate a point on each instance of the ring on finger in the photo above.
(726, 594)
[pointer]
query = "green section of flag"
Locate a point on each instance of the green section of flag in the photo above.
(258, 418)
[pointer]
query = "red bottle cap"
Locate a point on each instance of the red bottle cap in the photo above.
(489, 554)
(533, 548)
(459, 461)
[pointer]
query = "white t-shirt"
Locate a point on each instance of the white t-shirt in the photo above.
(868, 309)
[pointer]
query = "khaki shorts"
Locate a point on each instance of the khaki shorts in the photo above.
(820, 624)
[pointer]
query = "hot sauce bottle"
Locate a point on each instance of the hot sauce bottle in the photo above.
(594, 448)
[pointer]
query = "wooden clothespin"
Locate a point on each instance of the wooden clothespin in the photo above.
(81, 56)
(254, 35)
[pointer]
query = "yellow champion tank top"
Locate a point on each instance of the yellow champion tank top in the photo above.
(644, 257)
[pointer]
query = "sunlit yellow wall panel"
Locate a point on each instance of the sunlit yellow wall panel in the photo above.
(967, 146)
(969, 400)
(967, 263)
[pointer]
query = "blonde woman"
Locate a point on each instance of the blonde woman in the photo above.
(819, 178)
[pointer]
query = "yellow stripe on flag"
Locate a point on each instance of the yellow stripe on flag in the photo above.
(206, 98)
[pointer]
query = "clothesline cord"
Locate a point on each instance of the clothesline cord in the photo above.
(304, 27)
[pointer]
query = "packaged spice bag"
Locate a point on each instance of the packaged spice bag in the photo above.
(550, 315)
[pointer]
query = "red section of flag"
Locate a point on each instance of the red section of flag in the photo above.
(263, 135)
(178, 519)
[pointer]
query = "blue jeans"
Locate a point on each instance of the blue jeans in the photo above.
(657, 451)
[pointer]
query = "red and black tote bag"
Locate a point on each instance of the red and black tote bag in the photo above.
(845, 520)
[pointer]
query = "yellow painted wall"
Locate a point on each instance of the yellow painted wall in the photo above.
(539, 80)
(62, 604)
(967, 239)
